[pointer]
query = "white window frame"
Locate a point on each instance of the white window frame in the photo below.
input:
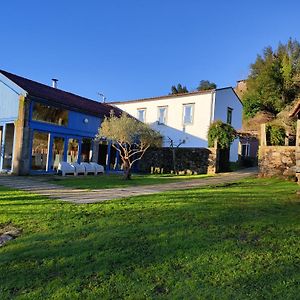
(144, 114)
(165, 115)
(229, 111)
(192, 105)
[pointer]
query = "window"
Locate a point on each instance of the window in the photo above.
(73, 147)
(245, 150)
(141, 114)
(8, 146)
(58, 149)
(39, 152)
(49, 114)
(188, 111)
(229, 115)
(86, 150)
(162, 115)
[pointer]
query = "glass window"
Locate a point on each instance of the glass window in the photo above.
(141, 114)
(245, 150)
(86, 150)
(39, 151)
(188, 110)
(103, 153)
(162, 115)
(1, 136)
(229, 115)
(73, 147)
(49, 114)
(57, 152)
(8, 146)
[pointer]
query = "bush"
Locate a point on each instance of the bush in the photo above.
(222, 132)
(275, 135)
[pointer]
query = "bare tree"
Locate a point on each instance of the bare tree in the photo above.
(130, 137)
(173, 147)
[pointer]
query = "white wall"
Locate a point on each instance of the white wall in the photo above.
(9, 100)
(227, 98)
(194, 134)
(208, 107)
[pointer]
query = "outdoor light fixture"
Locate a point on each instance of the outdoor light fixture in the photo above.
(85, 120)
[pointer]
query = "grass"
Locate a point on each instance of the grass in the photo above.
(239, 241)
(117, 181)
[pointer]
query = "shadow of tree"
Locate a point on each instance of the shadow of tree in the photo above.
(218, 243)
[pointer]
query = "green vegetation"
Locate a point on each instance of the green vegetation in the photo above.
(222, 132)
(130, 137)
(179, 89)
(205, 85)
(239, 241)
(117, 181)
(275, 134)
(274, 80)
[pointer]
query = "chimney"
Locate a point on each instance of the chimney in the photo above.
(54, 83)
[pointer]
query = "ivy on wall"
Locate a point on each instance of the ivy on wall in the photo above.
(222, 132)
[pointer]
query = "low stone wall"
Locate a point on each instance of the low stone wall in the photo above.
(189, 160)
(277, 161)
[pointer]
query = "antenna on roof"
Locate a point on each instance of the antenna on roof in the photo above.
(54, 83)
(103, 97)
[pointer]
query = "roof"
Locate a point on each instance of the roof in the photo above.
(295, 110)
(165, 97)
(174, 96)
(62, 98)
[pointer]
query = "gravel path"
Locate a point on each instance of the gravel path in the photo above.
(39, 186)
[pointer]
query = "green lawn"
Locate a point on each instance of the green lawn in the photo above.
(240, 241)
(116, 181)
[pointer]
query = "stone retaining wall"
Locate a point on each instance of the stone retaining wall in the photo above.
(277, 161)
(189, 160)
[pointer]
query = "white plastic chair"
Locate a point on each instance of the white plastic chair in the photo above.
(79, 169)
(98, 168)
(65, 168)
(88, 168)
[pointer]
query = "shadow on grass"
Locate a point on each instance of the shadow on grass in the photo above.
(234, 241)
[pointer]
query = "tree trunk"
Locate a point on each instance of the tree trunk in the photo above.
(127, 171)
(174, 161)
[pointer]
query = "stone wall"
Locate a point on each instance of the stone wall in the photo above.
(190, 160)
(22, 153)
(277, 161)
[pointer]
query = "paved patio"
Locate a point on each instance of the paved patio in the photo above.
(38, 185)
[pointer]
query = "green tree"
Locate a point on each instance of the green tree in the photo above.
(179, 89)
(274, 79)
(130, 137)
(205, 85)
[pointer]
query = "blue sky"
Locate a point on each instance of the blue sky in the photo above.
(137, 48)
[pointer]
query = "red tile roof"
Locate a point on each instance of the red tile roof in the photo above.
(60, 97)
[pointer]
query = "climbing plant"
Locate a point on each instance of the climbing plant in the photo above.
(222, 132)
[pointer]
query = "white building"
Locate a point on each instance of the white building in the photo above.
(185, 118)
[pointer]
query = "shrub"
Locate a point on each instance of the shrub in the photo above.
(275, 135)
(222, 132)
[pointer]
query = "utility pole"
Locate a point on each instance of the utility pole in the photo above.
(103, 97)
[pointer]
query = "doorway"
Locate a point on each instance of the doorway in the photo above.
(102, 153)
